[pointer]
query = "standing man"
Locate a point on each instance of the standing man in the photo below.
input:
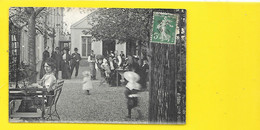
(56, 55)
(92, 62)
(75, 61)
(112, 65)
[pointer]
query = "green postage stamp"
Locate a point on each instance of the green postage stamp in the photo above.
(164, 28)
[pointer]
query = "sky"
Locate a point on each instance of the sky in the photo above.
(73, 15)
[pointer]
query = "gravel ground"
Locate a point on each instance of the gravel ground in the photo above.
(104, 105)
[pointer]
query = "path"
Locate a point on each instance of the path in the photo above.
(104, 105)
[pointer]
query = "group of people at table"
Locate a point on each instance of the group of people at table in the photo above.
(113, 63)
(107, 67)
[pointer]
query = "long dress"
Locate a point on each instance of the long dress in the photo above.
(58, 59)
(45, 56)
(65, 67)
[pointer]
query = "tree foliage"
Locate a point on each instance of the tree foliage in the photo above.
(136, 24)
(20, 17)
(120, 24)
(32, 18)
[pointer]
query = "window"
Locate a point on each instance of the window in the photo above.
(86, 45)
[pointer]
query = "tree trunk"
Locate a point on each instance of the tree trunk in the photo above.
(45, 35)
(31, 46)
(31, 41)
(162, 84)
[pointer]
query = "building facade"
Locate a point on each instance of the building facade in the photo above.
(86, 43)
(54, 20)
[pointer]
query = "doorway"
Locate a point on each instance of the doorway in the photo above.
(108, 45)
(64, 44)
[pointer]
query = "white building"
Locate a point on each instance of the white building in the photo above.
(85, 43)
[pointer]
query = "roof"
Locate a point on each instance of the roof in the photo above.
(83, 22)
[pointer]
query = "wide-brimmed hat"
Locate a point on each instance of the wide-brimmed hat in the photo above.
(131, 76)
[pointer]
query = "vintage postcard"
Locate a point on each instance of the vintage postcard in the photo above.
(97, 65)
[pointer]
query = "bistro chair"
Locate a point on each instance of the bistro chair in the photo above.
(51, 108)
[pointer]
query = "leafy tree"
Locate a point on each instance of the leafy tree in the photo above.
(20, 17)
(34, 19)
(125, 25)
(135, 25)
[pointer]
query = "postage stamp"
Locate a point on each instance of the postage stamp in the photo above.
(164, 28)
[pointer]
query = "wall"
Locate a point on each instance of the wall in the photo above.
(55, 20)
(76, 35)
(75, 39)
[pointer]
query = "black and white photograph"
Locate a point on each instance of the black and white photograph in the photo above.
(97, 65)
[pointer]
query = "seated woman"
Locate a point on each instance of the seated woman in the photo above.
(48, 81)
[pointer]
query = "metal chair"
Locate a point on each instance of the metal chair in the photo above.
(55, 98)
